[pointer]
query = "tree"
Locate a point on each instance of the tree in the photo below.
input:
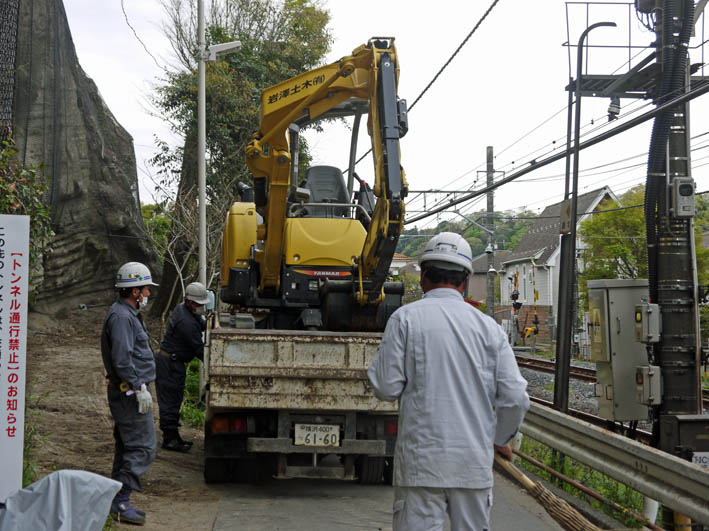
(616, 246)
(22, 192)
(615, 241)
(279, 40)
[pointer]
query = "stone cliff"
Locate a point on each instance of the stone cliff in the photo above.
(61, 122)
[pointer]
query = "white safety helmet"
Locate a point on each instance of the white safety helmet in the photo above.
(133, 275)
(448, 250)
(197, 292)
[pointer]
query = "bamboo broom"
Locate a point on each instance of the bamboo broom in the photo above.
(567, 517)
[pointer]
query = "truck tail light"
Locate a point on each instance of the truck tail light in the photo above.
(220, 424)
(391, 428)
(237, 425)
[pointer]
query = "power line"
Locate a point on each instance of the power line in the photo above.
(694, 93)
(440, 71)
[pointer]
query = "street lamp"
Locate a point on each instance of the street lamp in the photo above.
(205, 54)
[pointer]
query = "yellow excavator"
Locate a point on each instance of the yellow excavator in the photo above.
(315, 254)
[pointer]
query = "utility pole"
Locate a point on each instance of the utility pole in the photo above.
(669, 212)
(490, 250)
(201, 146)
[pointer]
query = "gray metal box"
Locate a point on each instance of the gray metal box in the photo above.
(647, 323)
(613, 346)
(686, 436)
(648, 385)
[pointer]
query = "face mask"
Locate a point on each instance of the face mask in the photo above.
(142, 304)
(199, 310)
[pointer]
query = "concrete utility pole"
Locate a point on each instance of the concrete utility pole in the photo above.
(201, 146)
(490, 250)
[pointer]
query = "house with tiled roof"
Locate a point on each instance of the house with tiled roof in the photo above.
(537, 255)
(400, 261)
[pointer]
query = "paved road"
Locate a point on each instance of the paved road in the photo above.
(315, 505)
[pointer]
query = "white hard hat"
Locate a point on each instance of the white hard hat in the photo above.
(448, 250)
(197, 292)
(133, 275)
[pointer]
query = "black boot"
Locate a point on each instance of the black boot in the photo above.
(188, 443)
(171, 441)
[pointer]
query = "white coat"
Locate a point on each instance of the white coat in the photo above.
(459, 391)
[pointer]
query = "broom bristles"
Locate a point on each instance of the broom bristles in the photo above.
(565, 515)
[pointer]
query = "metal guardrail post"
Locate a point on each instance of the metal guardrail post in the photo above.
(678, 484)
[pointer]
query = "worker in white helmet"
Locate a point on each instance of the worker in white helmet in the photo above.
(181, 343)
(461, 396)
(130, 368)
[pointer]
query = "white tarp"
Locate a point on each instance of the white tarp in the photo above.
(66, 500)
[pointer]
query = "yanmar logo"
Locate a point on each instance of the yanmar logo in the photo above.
(318, 273)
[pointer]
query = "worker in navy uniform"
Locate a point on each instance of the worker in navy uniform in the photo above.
(181, 343)
(130, 368)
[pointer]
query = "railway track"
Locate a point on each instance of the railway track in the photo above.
(585, 374)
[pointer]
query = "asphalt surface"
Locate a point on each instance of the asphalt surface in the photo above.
(314, 505)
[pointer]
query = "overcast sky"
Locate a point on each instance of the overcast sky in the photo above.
(506, 84)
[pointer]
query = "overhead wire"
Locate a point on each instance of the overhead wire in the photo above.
(440, 71)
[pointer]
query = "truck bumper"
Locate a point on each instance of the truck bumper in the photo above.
(285, 446)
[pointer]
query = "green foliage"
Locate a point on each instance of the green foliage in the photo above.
(412, 287)
(192, 410)
(509, 229)
(157, 224)
(616, 244)
(22, 192)
(279, 41)
(604, 485)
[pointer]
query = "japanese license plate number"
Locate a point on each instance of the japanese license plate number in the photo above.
(317, 435)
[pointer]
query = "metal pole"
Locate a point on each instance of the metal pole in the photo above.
(490, 292)
(201, 141)
(567, 266)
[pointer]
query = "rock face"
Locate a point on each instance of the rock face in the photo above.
(61, 122)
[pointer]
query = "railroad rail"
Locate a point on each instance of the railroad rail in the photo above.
(585, 374)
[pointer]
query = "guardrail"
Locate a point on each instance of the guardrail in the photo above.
(675, 483)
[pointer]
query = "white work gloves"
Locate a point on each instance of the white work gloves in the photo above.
(145, 401)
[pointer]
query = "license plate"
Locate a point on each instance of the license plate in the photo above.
(317, 435)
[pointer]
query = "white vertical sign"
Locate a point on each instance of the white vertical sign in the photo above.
(14, 276)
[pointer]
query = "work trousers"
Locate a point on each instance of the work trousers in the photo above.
(135, 438)
(170, 386)
(425, 508)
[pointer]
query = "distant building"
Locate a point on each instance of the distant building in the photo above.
(400, 262)
(536, 259)
(477, 287)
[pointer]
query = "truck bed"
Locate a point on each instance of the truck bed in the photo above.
(294, 370)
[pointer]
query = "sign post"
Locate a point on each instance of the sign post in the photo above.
(14, 285)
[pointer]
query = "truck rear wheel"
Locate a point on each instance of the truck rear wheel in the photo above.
(370, 469)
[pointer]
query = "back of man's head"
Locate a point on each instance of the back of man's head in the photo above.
(443, 276)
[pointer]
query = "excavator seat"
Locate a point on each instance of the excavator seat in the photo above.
(326, 185)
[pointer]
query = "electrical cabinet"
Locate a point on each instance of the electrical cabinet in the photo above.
(614, 348)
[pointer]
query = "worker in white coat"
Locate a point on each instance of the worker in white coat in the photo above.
(461, 396)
